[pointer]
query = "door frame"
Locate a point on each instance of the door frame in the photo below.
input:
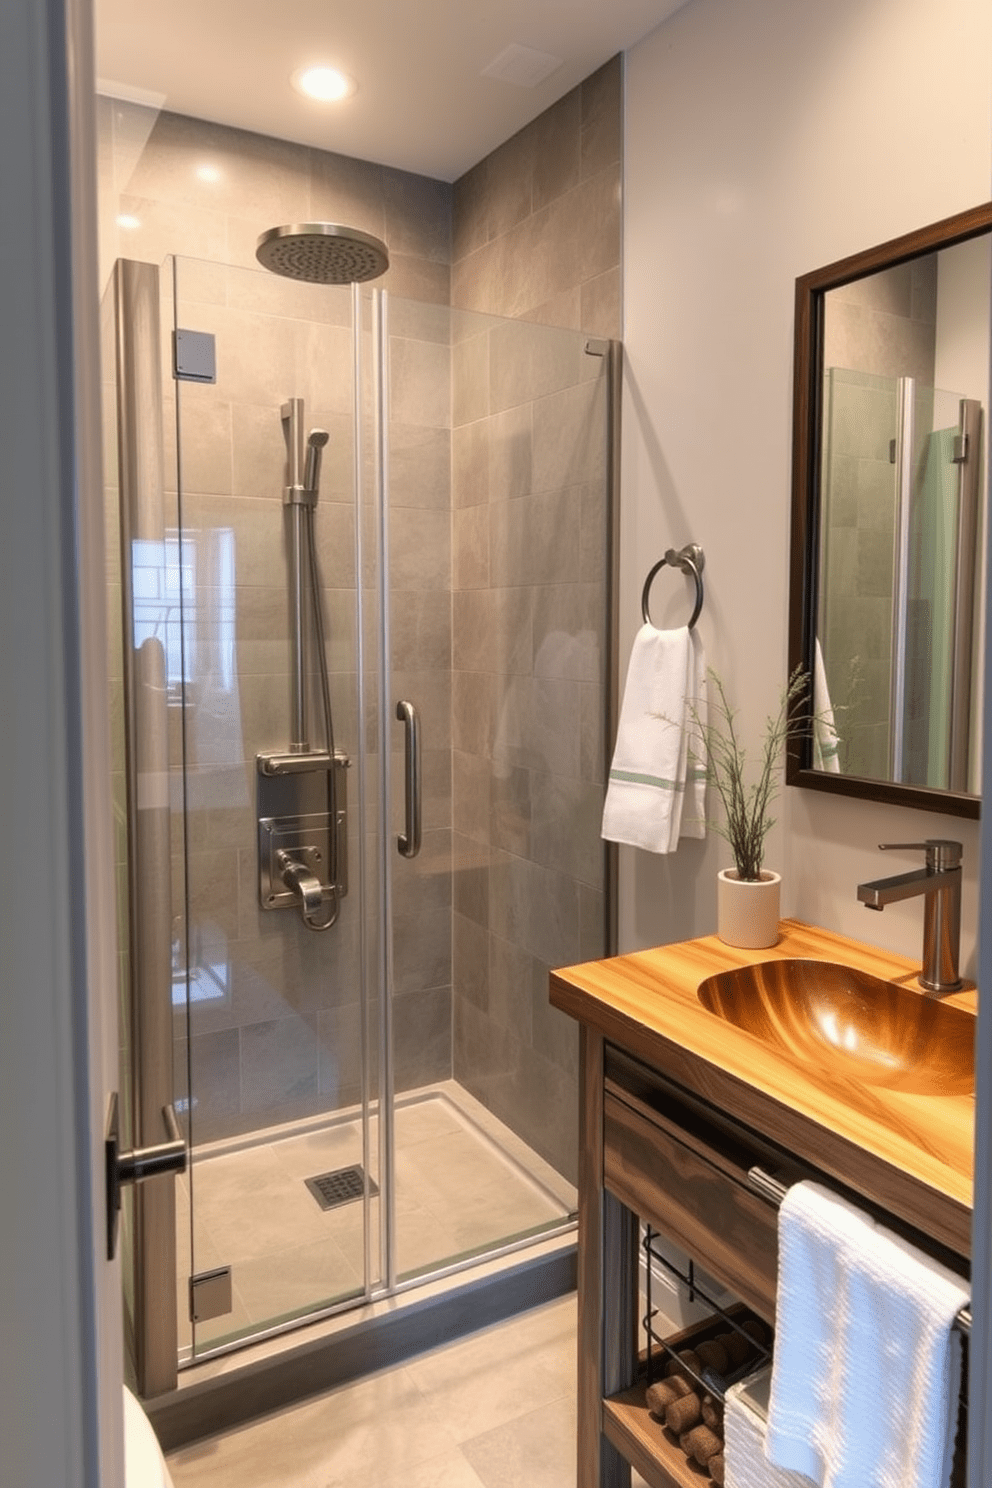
(61, 1409)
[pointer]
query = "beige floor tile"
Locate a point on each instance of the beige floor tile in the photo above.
(535, 1449)
(294, 1280)
(358, 1437)
(451, 1470)
(501, 1373)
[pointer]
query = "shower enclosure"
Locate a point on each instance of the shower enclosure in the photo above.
(391, 1097)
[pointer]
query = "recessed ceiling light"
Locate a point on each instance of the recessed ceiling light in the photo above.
(207, 172)
(326, 84)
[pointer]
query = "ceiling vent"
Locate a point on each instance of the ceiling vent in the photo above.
(522, 66)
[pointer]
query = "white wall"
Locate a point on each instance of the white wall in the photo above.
(765, 138)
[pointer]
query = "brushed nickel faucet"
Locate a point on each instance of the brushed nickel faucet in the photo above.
(940, 883)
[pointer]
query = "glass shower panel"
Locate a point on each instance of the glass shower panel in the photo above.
(268, 1013)
(889, 518)
(497, 536)
(857, 546)
(932, 579)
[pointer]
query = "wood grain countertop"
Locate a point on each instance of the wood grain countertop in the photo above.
(911, 1153)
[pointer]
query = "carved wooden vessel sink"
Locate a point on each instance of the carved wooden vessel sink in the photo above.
(849, 1024)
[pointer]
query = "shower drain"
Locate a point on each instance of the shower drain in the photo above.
(340, 1186)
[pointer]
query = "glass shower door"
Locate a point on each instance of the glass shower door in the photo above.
(270, 1019)
(897, 573)
(494, 480)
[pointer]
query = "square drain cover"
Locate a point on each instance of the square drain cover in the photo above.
(339, 1187)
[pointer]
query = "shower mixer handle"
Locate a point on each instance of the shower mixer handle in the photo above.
(297, 876)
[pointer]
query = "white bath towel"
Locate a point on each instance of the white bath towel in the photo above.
(654, 768)
(867, 1364)
(744, 1439)
(826, 745)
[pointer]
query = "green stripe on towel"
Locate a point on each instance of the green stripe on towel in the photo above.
(655, 780)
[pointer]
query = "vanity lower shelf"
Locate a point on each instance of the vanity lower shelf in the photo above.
(646, 1445)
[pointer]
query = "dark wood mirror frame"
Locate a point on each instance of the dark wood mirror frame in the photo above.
(806, 453)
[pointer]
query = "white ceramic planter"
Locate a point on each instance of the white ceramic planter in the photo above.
(747, 912)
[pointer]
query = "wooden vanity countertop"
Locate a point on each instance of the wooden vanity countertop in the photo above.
(910, 1153)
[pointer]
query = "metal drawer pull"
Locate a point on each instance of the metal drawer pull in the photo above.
(408, 842)
(138, 1163)
(769, 1188)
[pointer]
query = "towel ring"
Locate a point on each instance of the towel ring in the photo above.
(691, 560)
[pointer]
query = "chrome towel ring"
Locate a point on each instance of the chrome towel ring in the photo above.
(691, 560)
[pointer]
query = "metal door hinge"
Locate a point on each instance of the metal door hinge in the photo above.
(194, 356)
(210, 1294)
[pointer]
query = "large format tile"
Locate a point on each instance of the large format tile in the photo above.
(499, 1374)
(538, 1448)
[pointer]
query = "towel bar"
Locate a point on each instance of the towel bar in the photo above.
(691, 560)
(770, 1189)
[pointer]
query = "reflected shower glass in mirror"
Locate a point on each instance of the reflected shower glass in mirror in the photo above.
(887, 590)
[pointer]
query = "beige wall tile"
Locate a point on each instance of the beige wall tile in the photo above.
(473, 711)
(470, 548)
(602, 117)
(601, 312)
(554, 142)
(418, 215)
(509, 191)
(470, 218)
(215, 168)
(420, 383)
(347, 191)
(470, 464)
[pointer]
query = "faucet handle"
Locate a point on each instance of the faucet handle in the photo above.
(942, 852)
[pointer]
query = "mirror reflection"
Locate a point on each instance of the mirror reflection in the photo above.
(890, 500)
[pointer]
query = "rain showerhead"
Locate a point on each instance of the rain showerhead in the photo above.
(322, 253)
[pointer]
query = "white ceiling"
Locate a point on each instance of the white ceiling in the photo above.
(422, 104)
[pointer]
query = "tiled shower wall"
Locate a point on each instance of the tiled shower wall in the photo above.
(536, 237)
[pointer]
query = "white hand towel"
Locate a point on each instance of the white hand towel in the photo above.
(867, 1364)
(744, 1439)
(653, 765)
(826, 745)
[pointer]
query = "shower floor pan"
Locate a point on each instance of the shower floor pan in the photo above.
(464, 1183)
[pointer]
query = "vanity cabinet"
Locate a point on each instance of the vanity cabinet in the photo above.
(678, 1119)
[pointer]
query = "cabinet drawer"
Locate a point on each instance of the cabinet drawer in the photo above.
(722, 1224)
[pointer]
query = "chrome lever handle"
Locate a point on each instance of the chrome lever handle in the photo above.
(942, 852)
(408, 843)
(138, 1163)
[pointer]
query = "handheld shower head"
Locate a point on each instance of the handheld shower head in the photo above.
(316, 440)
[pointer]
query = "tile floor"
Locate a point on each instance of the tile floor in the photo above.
(464, 1182)
(493, 1410)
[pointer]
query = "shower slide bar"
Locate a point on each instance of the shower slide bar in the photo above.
(771, 1189)
(302, 841)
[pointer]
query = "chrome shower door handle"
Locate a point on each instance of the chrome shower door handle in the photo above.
(137, 1163)
(408, 842)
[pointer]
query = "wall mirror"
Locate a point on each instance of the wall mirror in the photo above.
(892, 360)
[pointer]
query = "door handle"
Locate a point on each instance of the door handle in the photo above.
(138, 1163)
(408, 842)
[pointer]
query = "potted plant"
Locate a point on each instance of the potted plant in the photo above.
(748, 893)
